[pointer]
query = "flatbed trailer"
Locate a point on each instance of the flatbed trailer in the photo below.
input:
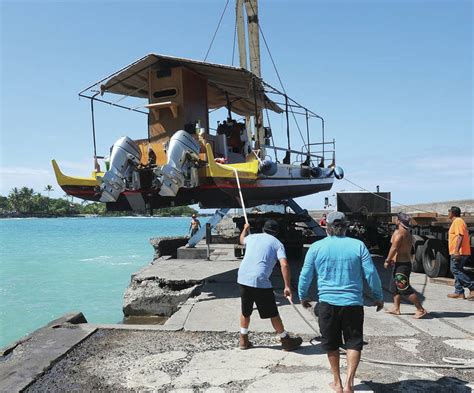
(372, 221)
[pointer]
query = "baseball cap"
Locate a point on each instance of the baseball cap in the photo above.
(335, 218)
(271, 227)
(404, 219)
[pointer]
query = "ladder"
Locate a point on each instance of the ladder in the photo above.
(312, 224)
(214, 220)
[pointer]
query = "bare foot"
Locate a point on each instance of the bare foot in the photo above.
(393, 311)
(336, 388)
(348, 389)
(420, 314)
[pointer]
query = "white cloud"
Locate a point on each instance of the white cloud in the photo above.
(22, 171)
(38, 178)
(35, 178)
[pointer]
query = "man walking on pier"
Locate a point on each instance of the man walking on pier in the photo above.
(340, 264)
(399, 257)
(460, 252)
(262, 251)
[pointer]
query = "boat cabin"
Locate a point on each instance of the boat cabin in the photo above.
(179, 94)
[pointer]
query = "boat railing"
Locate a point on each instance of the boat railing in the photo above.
(305, 154)
(323, 150)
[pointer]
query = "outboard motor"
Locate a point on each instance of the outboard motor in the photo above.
(124, 159)
(180, 170)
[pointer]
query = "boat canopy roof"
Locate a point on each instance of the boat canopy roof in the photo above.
(240, 87)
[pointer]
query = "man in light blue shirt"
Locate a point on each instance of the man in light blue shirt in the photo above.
(340, 265)
(262, 251)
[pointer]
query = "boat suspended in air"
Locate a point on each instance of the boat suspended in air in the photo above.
(181, 159)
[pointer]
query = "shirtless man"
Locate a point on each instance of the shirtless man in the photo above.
(195, 225)
(399, 257)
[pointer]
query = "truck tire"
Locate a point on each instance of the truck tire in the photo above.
(417, 251)
(435, 260)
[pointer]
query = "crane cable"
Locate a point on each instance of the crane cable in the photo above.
(276, 70)
(217, 29)
(381, 197)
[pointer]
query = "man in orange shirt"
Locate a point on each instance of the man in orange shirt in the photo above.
(460, 252)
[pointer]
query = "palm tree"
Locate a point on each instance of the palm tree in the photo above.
(26, 197)
(48, 189)
(14, 199)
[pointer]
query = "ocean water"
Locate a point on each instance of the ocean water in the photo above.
(52, 266)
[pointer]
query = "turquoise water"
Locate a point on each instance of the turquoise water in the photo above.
(49, 267)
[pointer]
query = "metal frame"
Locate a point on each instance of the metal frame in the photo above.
(289, 104)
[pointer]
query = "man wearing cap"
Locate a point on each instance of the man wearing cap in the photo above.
(340, 265)
(399, 257)
(262, 251)
(460, 251)
(195, 225)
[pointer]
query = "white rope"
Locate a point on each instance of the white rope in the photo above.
(454, 363)
(240, 194)
(256, 155)
(238, 186)
(302, 316)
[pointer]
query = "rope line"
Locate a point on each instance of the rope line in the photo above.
(276, 71)
(453, 363)
(238, 185)
(381, 197)
(217, 29)
(235, 38)
(268, 49)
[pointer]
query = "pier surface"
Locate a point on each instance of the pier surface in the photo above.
(196, 349)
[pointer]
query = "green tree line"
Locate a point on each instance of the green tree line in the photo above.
(25, 202)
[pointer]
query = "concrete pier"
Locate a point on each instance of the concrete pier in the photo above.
(195, 350)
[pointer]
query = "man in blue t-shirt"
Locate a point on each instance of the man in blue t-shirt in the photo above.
(340, 265)
(262, 251)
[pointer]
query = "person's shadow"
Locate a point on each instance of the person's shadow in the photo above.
(314, 349)
(442, 385)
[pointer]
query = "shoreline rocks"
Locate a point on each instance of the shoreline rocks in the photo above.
(157, 297)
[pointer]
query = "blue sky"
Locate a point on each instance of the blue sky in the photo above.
(393, 79)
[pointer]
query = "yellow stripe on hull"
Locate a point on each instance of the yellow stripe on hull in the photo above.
(246, 170)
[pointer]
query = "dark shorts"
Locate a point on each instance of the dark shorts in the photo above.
(264, 298)
(338, 322)
(400, 284)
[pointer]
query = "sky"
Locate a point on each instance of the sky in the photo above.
(392, 79)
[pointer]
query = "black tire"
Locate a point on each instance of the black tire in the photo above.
(417, 251)
(435, 259)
